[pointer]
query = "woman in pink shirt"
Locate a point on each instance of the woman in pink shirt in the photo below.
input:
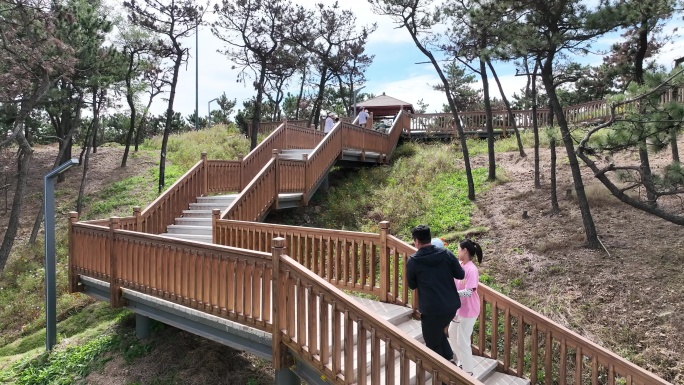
(461, 328)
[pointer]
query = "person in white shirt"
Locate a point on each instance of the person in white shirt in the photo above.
(329, 122)
(363, 117)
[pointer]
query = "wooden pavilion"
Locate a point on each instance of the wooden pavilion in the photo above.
(384, 105)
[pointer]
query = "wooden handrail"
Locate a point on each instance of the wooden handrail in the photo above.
(153, 264)
(163, 211)
(346, 259)
(257, 158)
(496, 308)
(257, 197)
(299, 325)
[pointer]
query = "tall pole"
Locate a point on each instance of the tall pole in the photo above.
(197, 76)
(50, 250)
(356, 92)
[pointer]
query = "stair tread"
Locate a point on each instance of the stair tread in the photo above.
(497, 378)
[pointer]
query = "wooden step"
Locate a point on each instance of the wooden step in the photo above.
(497, 378)
(223, 200)
(188, 237)
(189, 230)
(192, 221)
(208, 206)
(196, 213)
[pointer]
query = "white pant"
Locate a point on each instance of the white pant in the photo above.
(460, 332)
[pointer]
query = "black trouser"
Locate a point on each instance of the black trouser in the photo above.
(433, 333)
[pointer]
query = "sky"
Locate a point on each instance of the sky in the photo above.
(394, 70)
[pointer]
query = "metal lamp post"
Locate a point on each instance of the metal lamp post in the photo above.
(50, 268)
(356, 92)
(209, 108)
(197, 76)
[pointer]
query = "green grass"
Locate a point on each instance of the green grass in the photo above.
(425, 184)
(219, 142)
(106, 330)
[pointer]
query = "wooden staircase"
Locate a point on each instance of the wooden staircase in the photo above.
(202, 262)
(402, 318)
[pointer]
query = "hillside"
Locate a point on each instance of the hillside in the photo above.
(625, 301)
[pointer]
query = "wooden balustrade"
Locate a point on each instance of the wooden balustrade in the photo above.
(302, 137)
(291, 176)
(361, 138)
(257, 197)
(89, 246)
(257, 158)
(401, 123)
(346, 259)
(224, 175)
(529, 344)
(268, 127)
(320, 323)
(320, 160)
(170, 205)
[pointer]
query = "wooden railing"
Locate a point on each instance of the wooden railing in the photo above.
(224, 175)
(257, 158)
(227, 282)
(256, 199)
(268, 127)
(162, 212)
(308, 307)
(529, 344)
(234, 283)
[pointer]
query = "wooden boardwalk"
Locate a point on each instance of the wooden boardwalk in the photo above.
(283, 292)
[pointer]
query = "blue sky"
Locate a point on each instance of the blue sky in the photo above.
(393, 71)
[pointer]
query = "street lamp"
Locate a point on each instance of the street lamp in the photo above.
(196, 75)
(209, 108)
(356, 92)
(50, 275)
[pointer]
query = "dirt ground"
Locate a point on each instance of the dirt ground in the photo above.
(104, 169)
(627, 300)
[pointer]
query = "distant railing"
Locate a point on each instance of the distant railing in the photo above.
(268, 127)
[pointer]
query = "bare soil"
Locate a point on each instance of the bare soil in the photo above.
(104, 169)
(626, 299)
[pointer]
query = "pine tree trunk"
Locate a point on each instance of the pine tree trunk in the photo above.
(555, 209)
(535, 128)
(24, 157)
(587, 219)
(509, 110)
(131, 124)
(301, 93)
(490, 127)
(319, 99)
(169, 119)
(673, 144)
(256, 118)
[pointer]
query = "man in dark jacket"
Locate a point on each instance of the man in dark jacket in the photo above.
(432, 271)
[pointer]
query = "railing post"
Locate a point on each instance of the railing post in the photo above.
(115, 293)
(305, 159)
(215, 215)
(241, 159)
(205, 175)
(279, 349)
(73, 277)
(277, 178)
(384, 261)
(138, 218)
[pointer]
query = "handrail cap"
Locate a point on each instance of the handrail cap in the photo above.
(279, 242)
